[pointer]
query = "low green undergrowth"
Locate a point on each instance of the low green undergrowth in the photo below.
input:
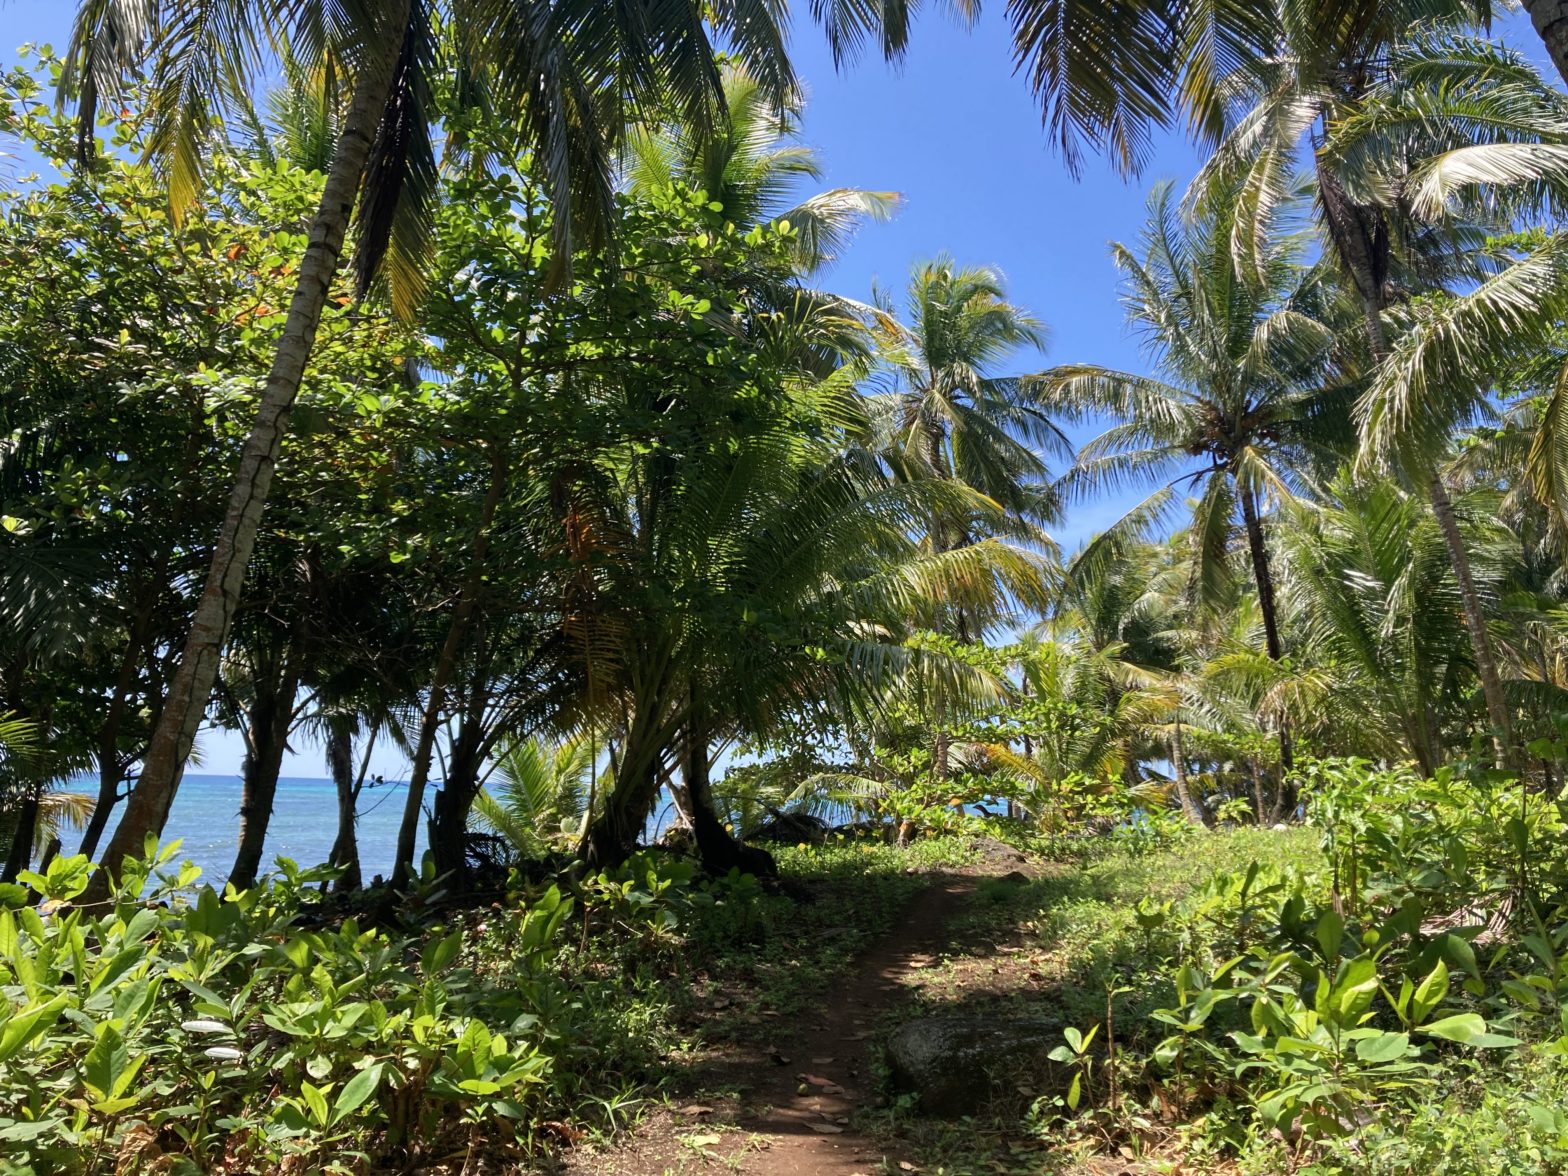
(1383, 990)
(180, 1030)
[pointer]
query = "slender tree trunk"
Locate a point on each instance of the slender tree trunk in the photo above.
(111, 767)
(1475, 621)
(613, 835)
(186, 703)
(1189, 807)
(449, 823)
(272, 717)
(340, 762)
(1361, 238)
(26, 829)
(1267, 603)
(111, 774)
(445, 668)
(1550, 18)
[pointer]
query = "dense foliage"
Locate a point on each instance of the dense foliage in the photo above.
(578, 487)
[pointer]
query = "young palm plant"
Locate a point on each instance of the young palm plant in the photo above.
(542, 799)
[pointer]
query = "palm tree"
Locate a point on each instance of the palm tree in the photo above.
(1550, 18)
(568, 70)
(1376, 597)
(1459, 137)
(1243, 411)
(752, 166)
(943, 412)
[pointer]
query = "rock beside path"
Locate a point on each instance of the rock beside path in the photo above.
(954, 1064)
(990, 851)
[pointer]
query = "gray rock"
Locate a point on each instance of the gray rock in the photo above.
(993, 852)
(954, 1064)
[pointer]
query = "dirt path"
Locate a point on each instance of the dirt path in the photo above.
(772, 1129)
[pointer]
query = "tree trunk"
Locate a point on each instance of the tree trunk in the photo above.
(21, 855)
(1550, 18)
(111, 774)
(111, 766)
(1361, 239)
(445, 668)
(1475, 621)
(340, 762)
(449, 822)
(1189, 807)
(186, 703)
(1267, 604)
(612, 837)
(720, 852)
(271, 719)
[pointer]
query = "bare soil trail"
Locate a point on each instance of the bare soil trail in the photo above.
(786, 1109)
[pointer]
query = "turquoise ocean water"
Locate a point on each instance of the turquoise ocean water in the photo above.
(205, 818)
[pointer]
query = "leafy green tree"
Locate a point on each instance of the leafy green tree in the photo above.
(569, 73)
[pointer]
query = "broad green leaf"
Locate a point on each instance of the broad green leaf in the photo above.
(22, 1027)
(356, 1091)
(1429, 994)
(316, 1099)
(1330, 934)
(1385, 1047)
(106, 1061)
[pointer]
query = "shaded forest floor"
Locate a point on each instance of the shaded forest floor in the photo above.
(804, 1093)
(789, 1079)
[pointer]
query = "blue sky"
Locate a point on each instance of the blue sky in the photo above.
(959, 137)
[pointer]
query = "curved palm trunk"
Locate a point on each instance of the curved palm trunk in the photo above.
(1550, 18)
(720, 852)
(449, 821)
(1189, 807)
(1268, 605)
(613, 835)
(23, 833)
(340, 762)
(148, 806)
(1475, 621)
(1360, 236)
(272, 717)
(445, 669)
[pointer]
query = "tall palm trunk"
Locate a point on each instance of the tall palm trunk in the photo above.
(340, 762)
(271, 718)
(1475, 621)
(1360, 235)
(612, 837)
(719, 851)
(1268, 605)
(148, 806)
(1550, 18)
(445, 669)
(1189, 807)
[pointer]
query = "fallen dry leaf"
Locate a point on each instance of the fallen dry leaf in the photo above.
(704, 1140)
